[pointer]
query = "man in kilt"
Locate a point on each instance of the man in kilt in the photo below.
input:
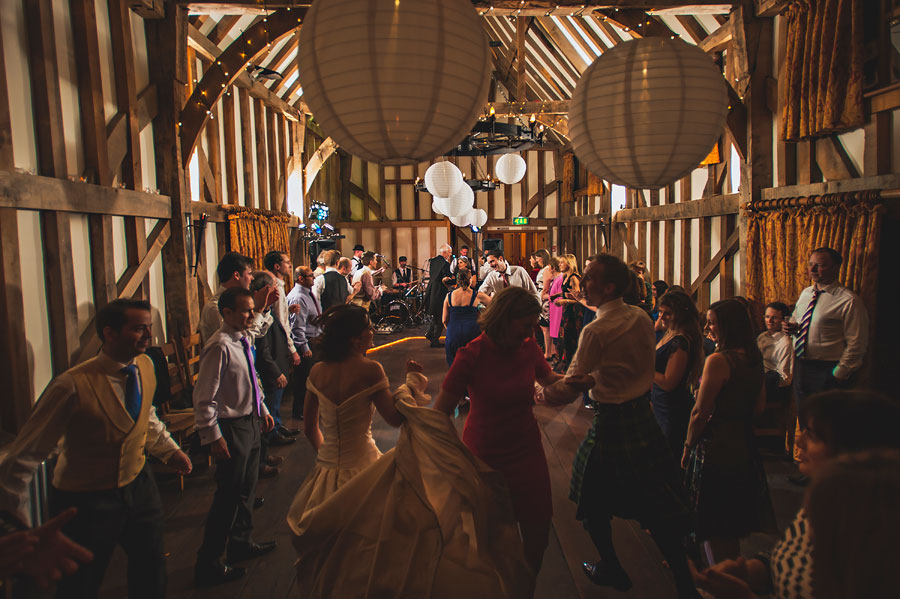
(624, 466)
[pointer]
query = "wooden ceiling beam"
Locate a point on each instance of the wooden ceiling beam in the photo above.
(558, 36)
(603, 23)
(555, 57)
(223, 28)
(530, 8)
(636, 22)
(502, 109)
(693, 27)
(719, 39)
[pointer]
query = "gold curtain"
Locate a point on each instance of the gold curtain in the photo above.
(779, 242)
(255, 233)
(823, 68)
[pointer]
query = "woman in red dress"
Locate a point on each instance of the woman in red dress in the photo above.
(497, 370)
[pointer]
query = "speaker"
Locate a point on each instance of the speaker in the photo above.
(493, 244)
(320, 245)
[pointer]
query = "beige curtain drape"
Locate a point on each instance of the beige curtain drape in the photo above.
(255, 233)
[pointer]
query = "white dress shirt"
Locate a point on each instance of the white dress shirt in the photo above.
(47, 425)
(319, 284)
(302, 327)
(484, 270)
(518, 277)
(778, 354)
(839, 330)
(224, 384)
(211, 320)
(280, 311)
(619, 350)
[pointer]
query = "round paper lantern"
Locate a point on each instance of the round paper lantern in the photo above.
(460, 203)
(647, 112)
(478, 218)
(461, 221)
(437, 205)
(443, 179)
(510, 168)
(394, 82)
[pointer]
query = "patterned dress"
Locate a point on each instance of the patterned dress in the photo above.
(791, 562)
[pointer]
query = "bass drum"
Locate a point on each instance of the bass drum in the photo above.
(395, 313)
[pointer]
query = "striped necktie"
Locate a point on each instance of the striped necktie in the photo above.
(803, 330)
(505, 279)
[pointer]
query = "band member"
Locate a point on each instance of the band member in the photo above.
(403, 275)
(358, 251)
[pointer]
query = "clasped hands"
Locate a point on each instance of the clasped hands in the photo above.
(580, 382)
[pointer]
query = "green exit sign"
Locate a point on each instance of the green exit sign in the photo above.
(520, 220)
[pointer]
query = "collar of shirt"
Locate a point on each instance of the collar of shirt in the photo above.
(232, 333)
(297, 287)
(278, 280)
(775, 336)
(829, 288)
(330, 269)
(110, 365)
(609, 306)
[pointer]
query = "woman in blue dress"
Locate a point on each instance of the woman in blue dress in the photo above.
(461, 313)
(679, 360)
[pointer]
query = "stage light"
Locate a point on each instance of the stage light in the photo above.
(329, 227)
(302, 226)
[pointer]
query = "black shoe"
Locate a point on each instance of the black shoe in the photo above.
(268, 472)
(288, 432)
(279, 439)
(212, 574)
(602, 573)
(437, 344)
(801, 480)
(274, 460)
(259, 502)
(239, 553)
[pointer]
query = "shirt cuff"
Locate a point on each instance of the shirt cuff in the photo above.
(209, 434)
(165, 452)
(841, 372)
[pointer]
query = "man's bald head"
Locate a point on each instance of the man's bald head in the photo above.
(445, 250)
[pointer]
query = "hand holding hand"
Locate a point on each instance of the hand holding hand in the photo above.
(219, 449)
(181, 462)
(580, 382)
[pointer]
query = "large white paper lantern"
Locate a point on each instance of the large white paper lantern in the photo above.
(478, 218)
(394, 82)
(460, 203)
(510, 168)
(443, 179)
(461, 221)
(437, 205)
(647, 112)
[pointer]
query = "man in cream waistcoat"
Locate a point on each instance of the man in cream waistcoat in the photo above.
(99, 415)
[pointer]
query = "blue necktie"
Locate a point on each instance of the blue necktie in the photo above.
(132, 392)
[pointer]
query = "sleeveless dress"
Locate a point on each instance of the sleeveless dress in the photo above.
(555, 312)
(725, 476)
(427, 519)
(672, 409)
(571, 322)
(347, 448)
(462, 326)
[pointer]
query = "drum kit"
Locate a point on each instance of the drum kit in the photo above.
(399, 309)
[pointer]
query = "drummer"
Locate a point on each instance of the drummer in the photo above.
(402, 279)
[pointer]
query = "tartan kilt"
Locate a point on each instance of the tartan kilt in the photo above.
(625, 468)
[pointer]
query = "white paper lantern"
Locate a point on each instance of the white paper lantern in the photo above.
(394, 82)
(647, 112)
(438, 205)
(443, 179)
(478, 218)
(461, 221)
(510, 168)
(460, 203)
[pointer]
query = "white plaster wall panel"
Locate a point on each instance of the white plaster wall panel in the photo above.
(407, 172)
(695, 256)
(517, 206)
(374, 186)
(384, 248)
(18, 84)
(715, 289)
(107, 68)
(68, 88)
(148, 159)
(370, 240)
(550, 209)
(34, 298)
(139, 43)
(734, 169)
(715, 245)
(698, 183)
(81, 262)
(499, 202)
(356, 208)
(404, 245)
(390, 203)
(158, 302)
(211, 242)
(120, 261)
(407, 202)
(423, 242)
(676, 197)
(193, 173)
(854, 143)
(441, 238)
(345, 245)
(738, 280)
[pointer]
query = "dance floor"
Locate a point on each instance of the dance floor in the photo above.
(273, 577)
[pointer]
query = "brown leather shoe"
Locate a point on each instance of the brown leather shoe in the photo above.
(274, 460)
(268, 472)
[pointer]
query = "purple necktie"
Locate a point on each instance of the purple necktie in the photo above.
(249, 355)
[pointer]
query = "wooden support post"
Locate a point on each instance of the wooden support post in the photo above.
(230, 149)
(212, 154)
(653, 265)
(685, 271)
(166, 47)
(271, 157)
(262, 186)
(521, 31)
(246, 155)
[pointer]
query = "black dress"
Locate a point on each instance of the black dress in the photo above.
(725, 475)
(572, 322)
(672, 409)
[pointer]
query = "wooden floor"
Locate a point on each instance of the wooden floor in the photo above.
(560, 578)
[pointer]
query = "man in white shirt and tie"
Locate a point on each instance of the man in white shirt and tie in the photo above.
(229, 414)
(831, 331)
(504, 274)
(304, 328)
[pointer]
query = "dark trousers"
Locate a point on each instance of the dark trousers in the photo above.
(435, 329)
(301, 375)
(130, 516)
(810, 377)
(230, 517)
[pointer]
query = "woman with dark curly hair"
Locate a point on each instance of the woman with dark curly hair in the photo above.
(724, 475)
(343, 391)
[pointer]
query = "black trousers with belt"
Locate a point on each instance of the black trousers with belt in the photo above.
(130, 516)
(811, 377)
(230, 517)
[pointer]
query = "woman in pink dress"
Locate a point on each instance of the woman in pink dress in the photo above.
(551, 292)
